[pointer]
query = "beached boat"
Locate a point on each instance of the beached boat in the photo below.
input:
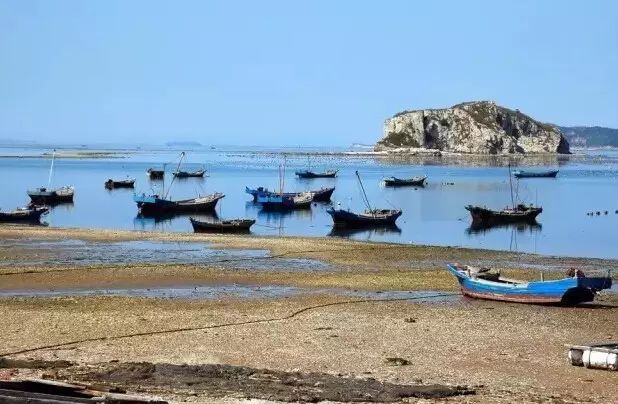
(399, 182)
(483, 283)
(189, 174)
(155, 205)
(319, 195)
(155, 174)
(49, 196)
(44, 196)
(111, 184)
(595, 356)
(20, 215)
(535, 174)
(222, 226)
(369, 218)
(313, 174)
(484, 218)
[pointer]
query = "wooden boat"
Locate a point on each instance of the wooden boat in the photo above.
(273, 201)
(398, 182)
(44, 196)
(535, 174)
(483, 217)
(20, 215)
(155, 205)
(222, 226)
(155, 174)
(189, 174)
(368, 218)
(48, 196)
(111, 184)
(313, 174)
(595, 356)
(321, 195)
(483, 283)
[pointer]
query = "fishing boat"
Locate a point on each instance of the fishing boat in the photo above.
(20, 215)
(313, 174)
(370, 217)
(320, 195)
(399, 182)
(535, 174)
(111, 184)
(485, 218)
(274, 201)
(189, 174)
(151, 205)
(517, 213)
(222, 226)
(483, 283)
(155, 174)
(49, 196)
(156, 205)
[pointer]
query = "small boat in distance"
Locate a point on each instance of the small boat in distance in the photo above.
(111, 184)
(483, 283)
(155, 174)
(30, 214)
(370, 217)
(189, 174)
(398, 182)
(535, 174)
(222, 226)
(48, 196)
(313, 174)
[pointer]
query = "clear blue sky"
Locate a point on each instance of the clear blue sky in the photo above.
(292, 72)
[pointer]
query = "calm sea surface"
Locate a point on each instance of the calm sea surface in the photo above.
(431, 215)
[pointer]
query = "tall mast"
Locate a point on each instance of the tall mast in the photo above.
(51, 169)
(365, 199)
(182, 155)
(511, 185)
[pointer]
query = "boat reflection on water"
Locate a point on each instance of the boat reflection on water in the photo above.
(368, 233)
(533, 227)
(161, 222)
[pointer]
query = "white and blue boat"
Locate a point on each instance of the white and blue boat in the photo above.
(482, 283)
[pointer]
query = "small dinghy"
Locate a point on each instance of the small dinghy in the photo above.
(155, 174)
(111, 184)
(535, 174)
(313, 174)
(400, 182)
(189, 174)
(31, 214)
(596, 356)
(483, 283)
(222, 226)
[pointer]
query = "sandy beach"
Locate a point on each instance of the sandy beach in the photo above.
(348, 321)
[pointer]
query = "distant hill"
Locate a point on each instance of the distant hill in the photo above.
(590, 136)
(183, 144)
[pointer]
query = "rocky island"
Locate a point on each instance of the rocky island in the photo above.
(479, 127)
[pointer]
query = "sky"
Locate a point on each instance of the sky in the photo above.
(307, 73)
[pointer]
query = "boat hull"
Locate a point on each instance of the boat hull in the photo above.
(155, 174)
(402, 182)
(185, 174)
(151, 205)
(111, 184)
(320, 195)
(567, 291)
(44, 197)
(311, 174)
(486, 217)
(28, 215)
(222, 226)
(530, 174)
(346, 218)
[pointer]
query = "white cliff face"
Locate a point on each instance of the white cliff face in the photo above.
(474, 127)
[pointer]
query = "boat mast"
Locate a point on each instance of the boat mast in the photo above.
(511, 185)
(51, 170)
(365, 199)
(182, 155)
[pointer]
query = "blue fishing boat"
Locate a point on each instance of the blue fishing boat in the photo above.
(483, 283)
(535, 174)
(274, 201)
(320, 195)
